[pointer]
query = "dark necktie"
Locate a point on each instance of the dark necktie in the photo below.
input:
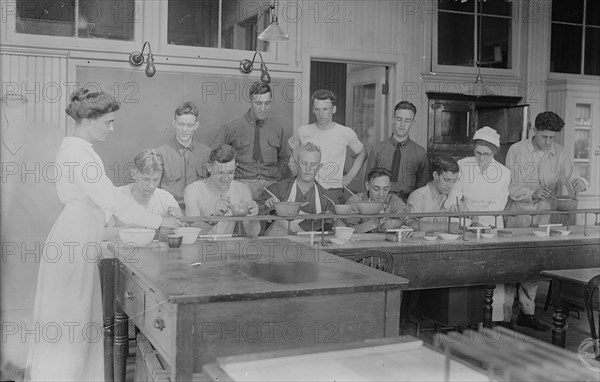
(257, 155)
(396, 163)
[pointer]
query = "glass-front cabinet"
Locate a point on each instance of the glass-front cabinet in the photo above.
(578, 103)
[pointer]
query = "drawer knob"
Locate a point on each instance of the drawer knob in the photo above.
(159, 323)
(129, 295)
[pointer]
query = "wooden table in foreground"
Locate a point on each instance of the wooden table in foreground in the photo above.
(458, 263)
(567, 287)
(212, 299)
(487, 355)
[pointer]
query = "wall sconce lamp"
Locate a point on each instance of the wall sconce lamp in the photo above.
(137, 59)
(273, 32)
(246, 66)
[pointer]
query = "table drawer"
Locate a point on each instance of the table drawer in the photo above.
(131, 297)
(159, 326)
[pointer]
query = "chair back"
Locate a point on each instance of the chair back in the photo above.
(375, 258)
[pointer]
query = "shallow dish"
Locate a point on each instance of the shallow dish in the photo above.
(190, 234)
(343, 209)
(488, 235)
(430, 238)
(540, 233)
(448, 236)
(368, 207)
(138, 236)
(287, 208)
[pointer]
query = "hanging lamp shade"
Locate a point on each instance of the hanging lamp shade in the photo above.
(273, 32)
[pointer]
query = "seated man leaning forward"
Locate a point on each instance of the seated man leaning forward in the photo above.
(431, 197)
(215, 195)
(146, 172)
(377, 187)
(302, 189)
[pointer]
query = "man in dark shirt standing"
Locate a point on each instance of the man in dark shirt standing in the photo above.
(184, 157)
(260, 143)
(403, 157)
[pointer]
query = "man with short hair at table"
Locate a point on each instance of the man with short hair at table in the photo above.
(537, 166)
(403, 157)
(303, 188)
(430, 198)
(334, 140)
(184, 157)
(260, 143)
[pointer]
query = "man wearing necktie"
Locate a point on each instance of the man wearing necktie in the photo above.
(260, 143)
(403, 157)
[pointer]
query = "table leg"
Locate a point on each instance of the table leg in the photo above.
(488, 300)
(107, 281)
(559, 318)
(121, 343)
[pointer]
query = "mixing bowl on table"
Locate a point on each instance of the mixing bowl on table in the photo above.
(368, 207)
(138, 236)
(239, 209)
(287, 208)
(344, 233)
(190, 234)
(566, 204)
(343, 209)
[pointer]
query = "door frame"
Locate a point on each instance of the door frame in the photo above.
(393, 61)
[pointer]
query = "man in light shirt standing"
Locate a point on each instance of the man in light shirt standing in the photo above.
(333, 139)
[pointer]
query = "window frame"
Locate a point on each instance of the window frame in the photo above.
(583, 25)
(515, 48)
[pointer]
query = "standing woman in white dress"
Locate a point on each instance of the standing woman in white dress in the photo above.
(483, 183)
(66, 338)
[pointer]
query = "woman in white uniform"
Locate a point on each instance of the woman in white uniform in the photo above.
(483, 183)
(67, 343)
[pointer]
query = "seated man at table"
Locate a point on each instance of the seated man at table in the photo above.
(377, 186)
(431, 197)
(146, 172)
(302, 189)
(215, 195)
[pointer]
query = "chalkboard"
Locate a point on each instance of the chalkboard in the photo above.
(148, 106)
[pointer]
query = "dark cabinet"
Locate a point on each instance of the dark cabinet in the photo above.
(454, 118)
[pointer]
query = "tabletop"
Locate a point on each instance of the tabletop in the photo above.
(580, 276)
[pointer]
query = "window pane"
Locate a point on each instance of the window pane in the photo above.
(565, 51)
(592, 13)
(110, 19)
(497, 7)
(193, 22)
(455, 39)
(239, 24)
(495, 42)
(592, 51)
(453, 5)
(46, 17)
(570, 11)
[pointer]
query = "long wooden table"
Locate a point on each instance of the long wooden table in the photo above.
(457, 263)
(212, 299)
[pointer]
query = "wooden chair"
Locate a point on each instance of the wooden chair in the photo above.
(375, 258)
(593, 308)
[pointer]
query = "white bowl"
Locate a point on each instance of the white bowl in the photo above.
(448, 236)
(138, 236)
(488, 235)
(190, 234)
(344, 233)
(430, 238)
(540, 233)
